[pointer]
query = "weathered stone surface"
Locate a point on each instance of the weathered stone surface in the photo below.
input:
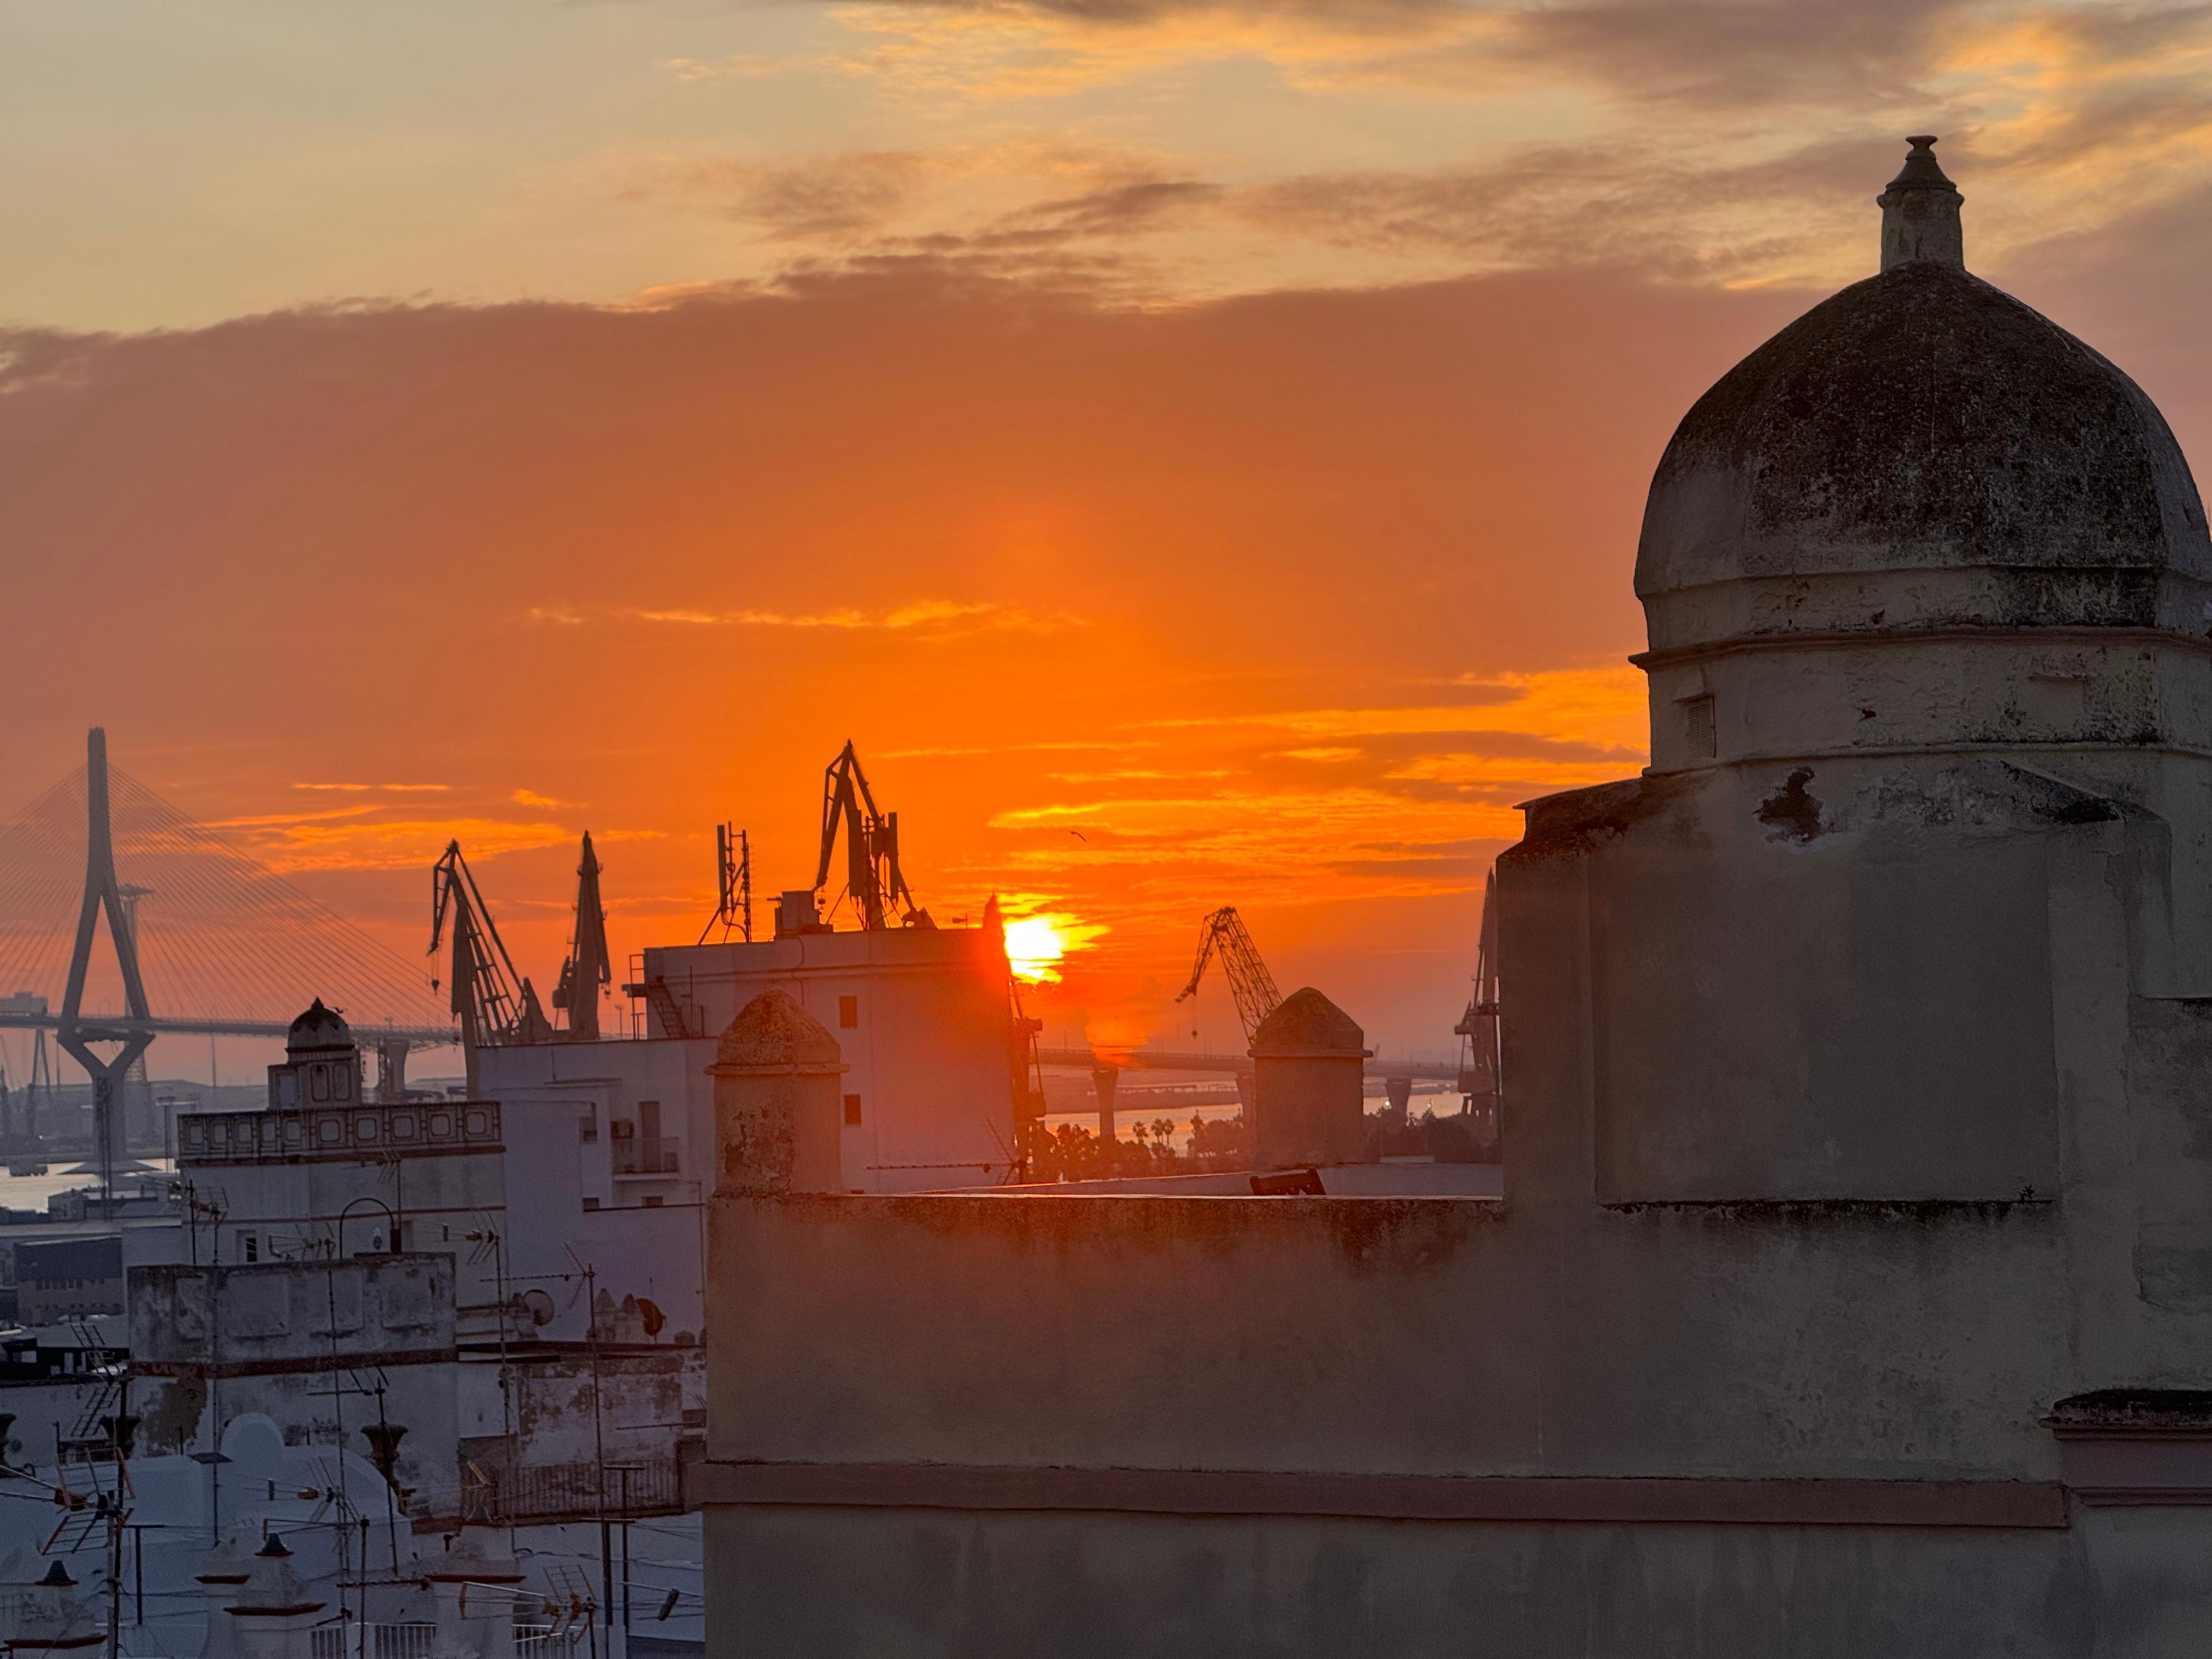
(1925, 421)
(776, 1107)
(772, 1030)
(1307, 1023)
(1854, 1141)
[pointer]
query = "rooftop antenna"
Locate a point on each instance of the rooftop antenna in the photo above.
(733, 885)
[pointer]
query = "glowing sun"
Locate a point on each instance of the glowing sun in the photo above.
(1035, 949)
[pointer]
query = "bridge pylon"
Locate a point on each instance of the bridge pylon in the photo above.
(103, 892)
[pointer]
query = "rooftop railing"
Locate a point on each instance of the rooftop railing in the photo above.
(370, 1131)
(644, 1157)
(350, 1640)
(549, 1491)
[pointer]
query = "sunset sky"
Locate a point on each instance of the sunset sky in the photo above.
(1195, 451)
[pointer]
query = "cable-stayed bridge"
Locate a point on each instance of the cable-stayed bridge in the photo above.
(122, 919)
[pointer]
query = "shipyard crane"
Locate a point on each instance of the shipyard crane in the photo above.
(873, 877)
(1223, 934)
(586, 974)
(496, 1005)
(1479, 1066)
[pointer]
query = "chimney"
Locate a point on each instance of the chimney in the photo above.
(274, 1611)
(54, 1621)
(1920, 212)
(222, 1576)
(475, 1583)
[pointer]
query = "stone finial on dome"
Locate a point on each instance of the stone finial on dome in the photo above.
(1920, 211)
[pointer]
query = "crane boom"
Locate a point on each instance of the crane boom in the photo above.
(586, 972)
(494, 1005)
(1480, 1061)
(872, 877)
(1223, 934)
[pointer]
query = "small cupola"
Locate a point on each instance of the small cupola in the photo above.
(322, 1062)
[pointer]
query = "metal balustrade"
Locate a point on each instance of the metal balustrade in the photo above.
(572, 1491)
(644, 1156)
(351, 1640)
(367, 1131)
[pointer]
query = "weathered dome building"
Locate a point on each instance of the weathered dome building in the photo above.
(1923, 513)
(321, 1065)
(1929, 595)
(1852, 1292)
(1878, 1007)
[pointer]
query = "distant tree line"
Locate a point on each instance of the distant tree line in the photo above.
(1068, 1151)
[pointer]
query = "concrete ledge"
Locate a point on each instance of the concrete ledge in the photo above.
(2010, 1504)
(294, 1365)
(1860, 639)
(2145, 1467)
(1483, 1183)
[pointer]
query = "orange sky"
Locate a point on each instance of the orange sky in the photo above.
(1258, 535)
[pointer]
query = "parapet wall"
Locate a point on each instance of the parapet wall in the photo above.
(1387, 1336)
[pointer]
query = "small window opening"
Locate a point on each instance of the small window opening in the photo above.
(652, 1201)
(591, 1203)
(251, 1245)
(318, 1080)
(1698, 728)
(849, 1012)
(852, 1109)
(341, 1084)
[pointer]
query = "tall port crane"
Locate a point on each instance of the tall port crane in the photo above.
(586, 972)
(1223, 934)
(496, 1005)
(1480, 1061)
(871, 861)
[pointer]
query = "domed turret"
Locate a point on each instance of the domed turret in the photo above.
(777, 1126)
(317, 1030)
(322, 1062)
(1919, 458)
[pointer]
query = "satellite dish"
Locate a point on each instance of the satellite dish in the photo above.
(538, 1305)
(650, 1312)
